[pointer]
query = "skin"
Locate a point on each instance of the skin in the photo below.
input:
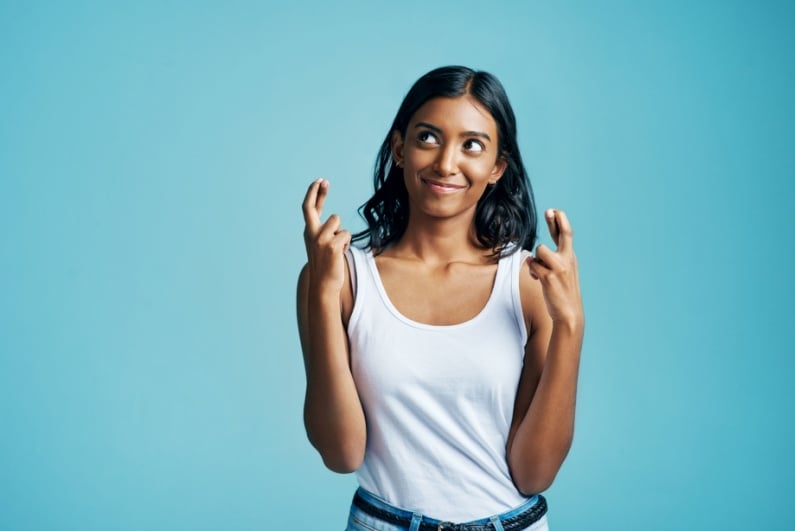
(449, 156)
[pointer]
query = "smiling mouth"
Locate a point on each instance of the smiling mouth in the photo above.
(439, 186)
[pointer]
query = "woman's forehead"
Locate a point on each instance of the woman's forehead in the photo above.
(462, 112)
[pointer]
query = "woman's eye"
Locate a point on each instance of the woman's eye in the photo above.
(474, 146)
(426, 137)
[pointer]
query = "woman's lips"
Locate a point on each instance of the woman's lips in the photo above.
(442, 187)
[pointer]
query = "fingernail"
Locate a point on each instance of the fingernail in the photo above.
(550, 213)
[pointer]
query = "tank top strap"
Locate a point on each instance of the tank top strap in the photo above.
(362, 281)
(516, 270)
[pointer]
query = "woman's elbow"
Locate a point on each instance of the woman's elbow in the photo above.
(534, 484)
(340, 444)
(533, 476)
(342, 459)
(339, 455)
(342, 464)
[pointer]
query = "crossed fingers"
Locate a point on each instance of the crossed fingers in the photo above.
(546, 260)
(313, 205)
(330, 232)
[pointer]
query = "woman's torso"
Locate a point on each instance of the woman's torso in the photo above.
(438, 398)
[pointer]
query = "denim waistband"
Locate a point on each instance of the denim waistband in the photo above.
(514, 520)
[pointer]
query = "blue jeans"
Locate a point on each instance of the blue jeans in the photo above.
(359, 520)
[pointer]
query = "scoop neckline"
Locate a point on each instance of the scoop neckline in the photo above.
(417, 324)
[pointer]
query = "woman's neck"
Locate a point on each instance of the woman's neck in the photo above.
(433, 240)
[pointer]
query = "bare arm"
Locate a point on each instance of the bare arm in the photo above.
(333, 414)
(543, 423)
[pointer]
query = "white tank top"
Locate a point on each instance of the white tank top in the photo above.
(438, 400)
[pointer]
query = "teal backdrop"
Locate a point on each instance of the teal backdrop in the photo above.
(153, 158)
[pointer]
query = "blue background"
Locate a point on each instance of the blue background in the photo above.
(153, 157)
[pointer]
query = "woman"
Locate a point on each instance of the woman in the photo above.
(442, 358)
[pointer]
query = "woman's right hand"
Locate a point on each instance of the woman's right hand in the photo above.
(326, 243)
(333, 414)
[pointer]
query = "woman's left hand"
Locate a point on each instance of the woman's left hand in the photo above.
(557, 271)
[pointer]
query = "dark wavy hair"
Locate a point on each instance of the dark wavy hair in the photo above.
(505, 218)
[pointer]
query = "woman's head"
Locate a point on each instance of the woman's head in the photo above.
(505, 212)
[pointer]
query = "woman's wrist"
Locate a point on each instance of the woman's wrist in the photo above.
(324, 293)
(570, 324)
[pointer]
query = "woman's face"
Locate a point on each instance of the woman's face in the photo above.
(449, 156)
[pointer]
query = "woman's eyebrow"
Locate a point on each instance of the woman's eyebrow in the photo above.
(465, 133)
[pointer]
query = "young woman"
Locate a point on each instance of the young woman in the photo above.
(442, 357)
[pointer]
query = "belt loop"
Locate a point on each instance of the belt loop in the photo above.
(416, 520)
(495, 521)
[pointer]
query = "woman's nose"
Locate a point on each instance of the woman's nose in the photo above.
(446, 161)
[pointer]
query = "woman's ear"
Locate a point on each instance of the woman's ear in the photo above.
(397, 148)
(499, 168)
